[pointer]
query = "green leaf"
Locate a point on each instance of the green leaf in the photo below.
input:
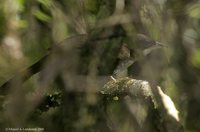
(46, 3)
(42, 16)
(196, 58)
(194, 11)
(92, 6)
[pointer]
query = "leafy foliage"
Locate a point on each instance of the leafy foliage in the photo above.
(57, 55)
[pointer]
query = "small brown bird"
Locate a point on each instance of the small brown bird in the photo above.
(144, 46)
(144, 42)
(124, 52)
(125, 61)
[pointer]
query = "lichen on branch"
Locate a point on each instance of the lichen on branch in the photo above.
(127, 86)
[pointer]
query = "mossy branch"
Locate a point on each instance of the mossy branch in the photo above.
(162, 107)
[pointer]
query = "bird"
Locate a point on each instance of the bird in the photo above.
(144, 42)
(143, 47)
(125, 60)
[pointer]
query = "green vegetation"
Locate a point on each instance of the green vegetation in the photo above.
(58, 63)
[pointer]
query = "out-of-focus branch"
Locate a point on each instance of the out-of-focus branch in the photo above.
(11, 41)
(74, 42)
(25, 74)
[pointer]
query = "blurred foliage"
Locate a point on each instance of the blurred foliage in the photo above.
(54, 99)
(193, 10)
(2, 23)
(196, 58)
